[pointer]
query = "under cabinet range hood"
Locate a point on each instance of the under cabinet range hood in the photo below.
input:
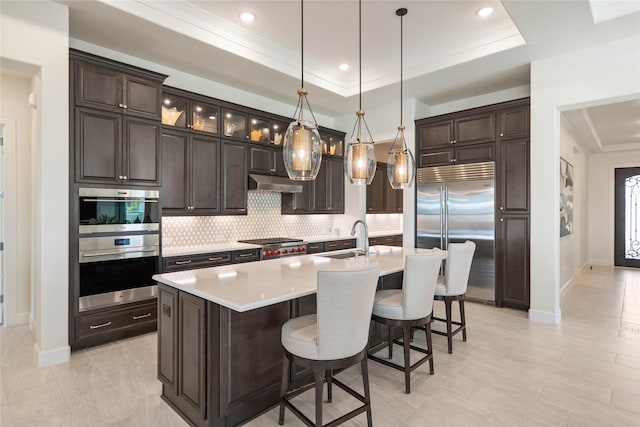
(276, 184)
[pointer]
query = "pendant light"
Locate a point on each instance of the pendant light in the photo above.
(302, 147)
(401, 166)
(360, 156)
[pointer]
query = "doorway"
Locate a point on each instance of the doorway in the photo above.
(627, 217)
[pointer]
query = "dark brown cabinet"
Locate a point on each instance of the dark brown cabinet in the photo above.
(450, 130)
(395, 240)
(182, 352)
(234, 178)
(192, 262)
(105, 86)
(187, 111)
(115, 126)
(190, 174)
(113, 149)
(381, 197)
(336, 245)
(323, 195)
(512, 250)
(499, 133)
(266, 160)
(457, 155)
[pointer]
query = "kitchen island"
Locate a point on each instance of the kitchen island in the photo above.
(219, 353)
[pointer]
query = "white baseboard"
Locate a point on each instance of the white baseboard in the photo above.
(51, 357)
(22, 318)
(553, 318)
(602, 262)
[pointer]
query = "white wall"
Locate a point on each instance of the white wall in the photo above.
(14, 92)
(37, 33)
(596, 75)
(601, 202)
(573, 254)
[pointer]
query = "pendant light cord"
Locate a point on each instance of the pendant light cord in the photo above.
(401, 61)
(302, 44)
(360, 52)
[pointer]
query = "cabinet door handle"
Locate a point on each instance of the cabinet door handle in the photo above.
(142, 316)
(119, 176)
(502, 134)
(188, 261)
(218, 258)
(121, 105)
(125, 177)
(125, 106)
(102, 325)
(501, 208)
(501, 219)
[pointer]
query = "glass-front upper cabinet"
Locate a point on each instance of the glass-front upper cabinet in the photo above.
(234, 124)
(260, 130)
(331, 145)
(174, 111)
(278, 129)
(182, 112)
(204, 117)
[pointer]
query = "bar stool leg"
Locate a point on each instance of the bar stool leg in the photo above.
(463, 321)
(318, 374)
(329, 382)
(365, 383)
(427, 329)
(390, 342)
(284, 386)
(406, 335)
(447, 304)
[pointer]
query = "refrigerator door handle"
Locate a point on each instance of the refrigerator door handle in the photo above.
(442, 187)
(446, 216)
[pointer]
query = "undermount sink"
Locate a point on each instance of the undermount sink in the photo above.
(344, 255)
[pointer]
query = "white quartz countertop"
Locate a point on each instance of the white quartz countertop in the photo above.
(202, 249)
(247, 286)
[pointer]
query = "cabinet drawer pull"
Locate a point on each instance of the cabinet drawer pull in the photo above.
(102, 325)
(142, 316)
(121, 105)
(183, 262)
(245, 255)
(218, 258)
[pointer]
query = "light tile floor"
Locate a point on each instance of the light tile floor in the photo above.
(511, 372)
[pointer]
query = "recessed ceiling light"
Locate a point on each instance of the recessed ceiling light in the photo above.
(343, 67)
(247, 16)
(484, 12)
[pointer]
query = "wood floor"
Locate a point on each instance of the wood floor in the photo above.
(510, 372)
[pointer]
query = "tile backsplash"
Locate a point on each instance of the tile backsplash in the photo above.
(384, 222)
(263, 219)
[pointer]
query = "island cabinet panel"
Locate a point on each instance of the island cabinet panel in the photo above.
(250, 384)
(168, 336)
(192, 378)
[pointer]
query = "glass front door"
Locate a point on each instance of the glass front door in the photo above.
(627, 217)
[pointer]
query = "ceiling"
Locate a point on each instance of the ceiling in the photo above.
(449, 52)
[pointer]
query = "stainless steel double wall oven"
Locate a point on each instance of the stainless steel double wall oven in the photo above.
(119, 246)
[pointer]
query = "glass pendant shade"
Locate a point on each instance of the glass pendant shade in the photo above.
(360, 156)
(302, 150)
(401, 164)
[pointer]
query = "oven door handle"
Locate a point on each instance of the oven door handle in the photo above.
(122, 200)
(117, 253)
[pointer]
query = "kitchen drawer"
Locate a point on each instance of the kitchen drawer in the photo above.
(116, 323)
(246, 256)
(191, 262)
(336, 245)
(395, 240)
(315, 248)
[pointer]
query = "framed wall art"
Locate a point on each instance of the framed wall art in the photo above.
(566, 198)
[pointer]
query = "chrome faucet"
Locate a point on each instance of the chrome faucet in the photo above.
(366, 234)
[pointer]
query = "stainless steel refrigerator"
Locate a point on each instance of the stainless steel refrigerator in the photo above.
(456, 203)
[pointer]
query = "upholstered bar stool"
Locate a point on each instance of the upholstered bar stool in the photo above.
(334, 338)
(453, 286)
(408, 308)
